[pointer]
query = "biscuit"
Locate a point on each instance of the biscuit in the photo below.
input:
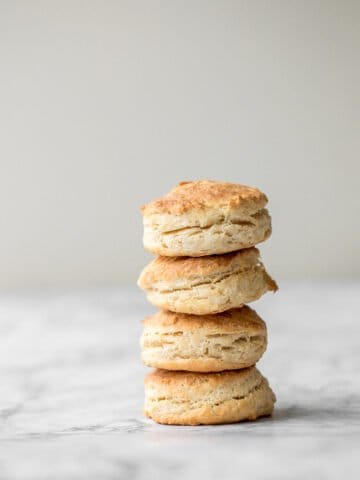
(186, 398)
(206, 218)
(206, 285)
(225, 341)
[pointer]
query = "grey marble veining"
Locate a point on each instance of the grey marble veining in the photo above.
(71, 392)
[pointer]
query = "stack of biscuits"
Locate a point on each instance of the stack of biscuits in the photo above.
(204, 341)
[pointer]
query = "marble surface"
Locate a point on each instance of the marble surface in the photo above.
(71, 392)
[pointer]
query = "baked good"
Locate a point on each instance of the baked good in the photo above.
(212, 343)
(187, 398)
(207, 284)
(206, 218)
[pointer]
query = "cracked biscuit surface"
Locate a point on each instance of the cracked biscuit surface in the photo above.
(206, 285)
(186, 398)
(225, 341)
(206, 217)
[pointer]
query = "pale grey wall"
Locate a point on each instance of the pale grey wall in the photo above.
(106, 104)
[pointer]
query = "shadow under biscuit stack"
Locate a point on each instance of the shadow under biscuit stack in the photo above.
(204, 341)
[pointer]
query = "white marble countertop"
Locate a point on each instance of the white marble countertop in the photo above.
(71, 392)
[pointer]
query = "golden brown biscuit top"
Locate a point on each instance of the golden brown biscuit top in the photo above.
(237, 319)
(204, 194)
(169, 378)
(169, 269)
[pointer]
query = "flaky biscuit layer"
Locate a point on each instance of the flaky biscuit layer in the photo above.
(231, 340)
(185, 398)
(205, 218)
(206, 285)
